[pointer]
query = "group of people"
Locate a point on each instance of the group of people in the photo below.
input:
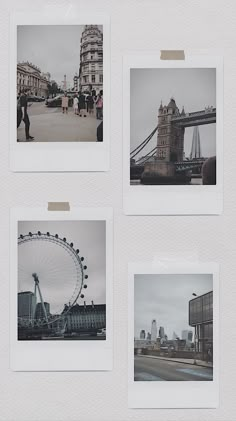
(84, 105)
(22, 113)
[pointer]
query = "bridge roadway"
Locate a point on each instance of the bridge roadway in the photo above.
(154, 369)
(197, 118)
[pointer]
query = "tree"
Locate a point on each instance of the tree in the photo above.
(52, 88)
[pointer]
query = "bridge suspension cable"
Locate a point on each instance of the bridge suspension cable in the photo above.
(142, 145)
(145, 158)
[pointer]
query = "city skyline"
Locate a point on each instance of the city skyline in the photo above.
(53, 265)
(165, 298)
(193, 89)
(46, 46)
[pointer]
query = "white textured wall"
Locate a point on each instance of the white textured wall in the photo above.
(135, 25)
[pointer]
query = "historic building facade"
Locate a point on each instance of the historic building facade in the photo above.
(170, 137)
(30, 77)
(91, 59)
(85, 317)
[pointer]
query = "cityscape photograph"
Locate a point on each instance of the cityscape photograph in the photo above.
(61, 280)
(59, 83)
(173, 327)
(173, 137)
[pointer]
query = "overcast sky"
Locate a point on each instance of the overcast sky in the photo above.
(165, 298)
(53, 48)
(55, 267)
(194, 89)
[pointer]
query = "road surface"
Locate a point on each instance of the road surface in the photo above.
(51, 125)
(153, 369)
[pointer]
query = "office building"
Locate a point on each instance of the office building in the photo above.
(30, 77)
(154, 330)
(201, 318)
(39, 313)
(142, 334)
(162, 332)
(187, 335)
(26, 305)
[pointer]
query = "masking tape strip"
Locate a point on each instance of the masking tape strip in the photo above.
(58, 206)
(172, 55)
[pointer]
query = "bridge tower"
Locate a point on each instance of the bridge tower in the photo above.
(170, 137)
(196, 145)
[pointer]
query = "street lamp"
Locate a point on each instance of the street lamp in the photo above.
(195, 337)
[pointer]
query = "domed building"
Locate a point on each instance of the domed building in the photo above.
(91, 59)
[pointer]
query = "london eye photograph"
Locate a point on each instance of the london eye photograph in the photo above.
(61, 280)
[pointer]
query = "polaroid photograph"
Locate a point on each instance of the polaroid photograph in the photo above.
(173, 139)
(173, 336)
(59, 93)
(61, 290)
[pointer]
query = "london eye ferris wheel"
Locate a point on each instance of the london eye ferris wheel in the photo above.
(52, 272)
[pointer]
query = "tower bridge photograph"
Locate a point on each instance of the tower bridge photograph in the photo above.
(173, 126)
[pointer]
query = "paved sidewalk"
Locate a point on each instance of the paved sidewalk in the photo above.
(180, 360)
(54, 126)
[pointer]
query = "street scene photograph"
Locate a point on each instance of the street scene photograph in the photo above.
(59, 74)
(172, 126)
(61, 280)
(173, 327)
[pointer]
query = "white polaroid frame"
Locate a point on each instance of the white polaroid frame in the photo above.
(173, 394)
(59, 156)
(180, 199)
(61, 355)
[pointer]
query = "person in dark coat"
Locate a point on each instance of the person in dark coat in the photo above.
(24, 106)
(90, 104)
(100, 132)
(82, 105)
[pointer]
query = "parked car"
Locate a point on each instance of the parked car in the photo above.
(56, 101)
(34, 98)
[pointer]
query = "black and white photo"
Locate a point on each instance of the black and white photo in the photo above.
(61, 289)
(172, 135)
(61, 280)
(173, 126)
(173, 327)
(173, 334)
(59, 92)
(59, 83)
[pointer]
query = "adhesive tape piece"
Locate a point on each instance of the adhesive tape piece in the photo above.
(172, 55)
(58, 206)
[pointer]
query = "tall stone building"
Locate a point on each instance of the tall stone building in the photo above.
(91, 59)
(30, 77)
(170, 137)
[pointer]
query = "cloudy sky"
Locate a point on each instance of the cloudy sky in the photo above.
(53, 48)
(194, 89)
(165, 298)
(55, 267)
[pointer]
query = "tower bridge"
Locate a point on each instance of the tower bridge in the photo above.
(167, 157)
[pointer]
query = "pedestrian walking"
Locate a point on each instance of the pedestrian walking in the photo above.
(82, 105)
(99, 106)
(90, 104)
(19, 112)
(24, 109)
(64, 103)
(75, 104)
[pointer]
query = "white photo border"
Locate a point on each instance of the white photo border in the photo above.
(173, 394)
(59, 156)
(61, 355)
(172, 200)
